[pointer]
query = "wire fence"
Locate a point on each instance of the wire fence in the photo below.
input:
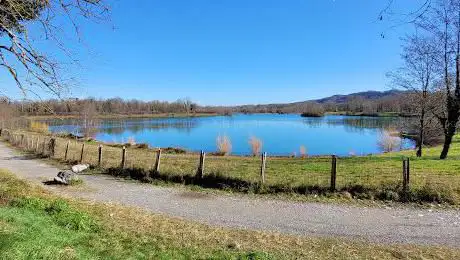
(302, 175)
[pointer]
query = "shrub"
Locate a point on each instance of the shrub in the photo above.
(131, 141)
(312, 114)
(256, 145)
(303, 151)
(224, 145)
(142, 146)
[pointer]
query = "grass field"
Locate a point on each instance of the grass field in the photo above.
(364, 177)
(35, 224)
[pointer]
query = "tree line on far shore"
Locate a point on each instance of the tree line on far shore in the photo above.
(397, 104)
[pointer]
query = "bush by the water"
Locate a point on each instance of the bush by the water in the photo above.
(312, 114)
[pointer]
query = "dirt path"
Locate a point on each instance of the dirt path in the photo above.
(388, 225)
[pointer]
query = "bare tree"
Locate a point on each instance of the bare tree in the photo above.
(89, 120)
(442, 23)
(417, 76)
(29, 66)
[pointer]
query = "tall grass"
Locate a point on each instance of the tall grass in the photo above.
(303, 151)
(131, 141)
(39, 127)
(224, 145)
(256, 145)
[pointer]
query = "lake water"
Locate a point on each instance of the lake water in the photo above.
(281, 134)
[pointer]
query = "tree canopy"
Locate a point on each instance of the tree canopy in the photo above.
(28, 64)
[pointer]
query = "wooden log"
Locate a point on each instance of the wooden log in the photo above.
(200, 171)
(262, 167)
(333, 173)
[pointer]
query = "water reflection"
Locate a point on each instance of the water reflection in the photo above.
(118, 126)
(360, 123)
(281, 134)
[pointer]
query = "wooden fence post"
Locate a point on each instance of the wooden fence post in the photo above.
(408, 173)
(200, 171)
(404, 174)
(66, 150)
(262, 167)
(123, 157)
(333, 173)
(99, 155)
(52, 147)
(82, 151)
(37, 148)
(30, 143)
(156, 168)
(44, 147)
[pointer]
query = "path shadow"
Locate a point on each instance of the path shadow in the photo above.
(52, 182)
(23, 157)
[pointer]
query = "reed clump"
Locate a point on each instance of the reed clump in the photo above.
(256, 145)
(39, 127)
(224, 145)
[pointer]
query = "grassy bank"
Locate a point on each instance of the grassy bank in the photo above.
(118, 116)
(377, 177)
(35, 224)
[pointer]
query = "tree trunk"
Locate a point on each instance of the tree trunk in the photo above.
(449, 133)
(421, 134)
(420, 144)
(445, 148)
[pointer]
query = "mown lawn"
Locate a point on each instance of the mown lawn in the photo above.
(35, 224)
(368, 177)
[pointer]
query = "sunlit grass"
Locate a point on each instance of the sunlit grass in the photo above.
(35, 224)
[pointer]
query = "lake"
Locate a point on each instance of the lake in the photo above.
(280, 134)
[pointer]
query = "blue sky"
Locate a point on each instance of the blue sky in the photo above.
(236, 51)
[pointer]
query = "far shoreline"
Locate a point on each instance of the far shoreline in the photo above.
(121, 116)
(211, 114)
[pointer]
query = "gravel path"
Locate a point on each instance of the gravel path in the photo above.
(387, 225)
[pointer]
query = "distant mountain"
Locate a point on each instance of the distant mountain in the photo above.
(380, 101)
(369, 95)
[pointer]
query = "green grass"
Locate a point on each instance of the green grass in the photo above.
(365, 177)
(35, 224)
